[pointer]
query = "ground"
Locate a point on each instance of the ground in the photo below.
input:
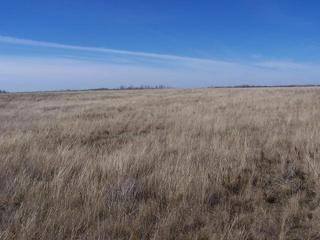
(161, 164)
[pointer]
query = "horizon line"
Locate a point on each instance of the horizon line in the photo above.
(164, 87)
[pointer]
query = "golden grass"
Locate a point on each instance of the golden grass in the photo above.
(161, 164)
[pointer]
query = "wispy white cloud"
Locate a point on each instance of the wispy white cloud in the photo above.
(28, 42)
(26, 73)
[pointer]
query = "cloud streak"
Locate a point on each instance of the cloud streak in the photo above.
(34, 43)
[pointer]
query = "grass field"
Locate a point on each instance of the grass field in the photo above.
(161, 164)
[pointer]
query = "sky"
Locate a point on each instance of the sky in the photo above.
(56, 45)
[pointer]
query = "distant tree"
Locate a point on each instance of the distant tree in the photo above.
(2, 91)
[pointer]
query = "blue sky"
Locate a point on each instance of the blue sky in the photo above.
(51, 45)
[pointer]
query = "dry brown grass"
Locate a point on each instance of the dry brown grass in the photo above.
(161, 164)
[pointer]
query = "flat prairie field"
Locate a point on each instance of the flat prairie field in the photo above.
(161, 164)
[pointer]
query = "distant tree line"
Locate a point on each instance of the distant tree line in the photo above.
(266, 86)
(143, 87)
(2, 91)
(131, 87)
